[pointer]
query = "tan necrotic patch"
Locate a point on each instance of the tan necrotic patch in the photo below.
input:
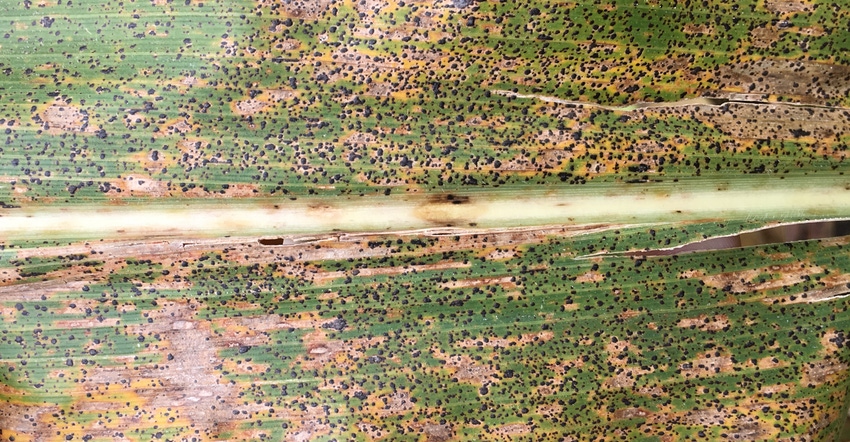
(65, 117)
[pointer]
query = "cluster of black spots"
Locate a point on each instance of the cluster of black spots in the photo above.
(353, 121)
(338, 324)
(484, 351)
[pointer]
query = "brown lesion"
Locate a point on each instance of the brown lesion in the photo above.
(787, 6)
(177, 126)
(590, 276)
(324, 277)
(512, 430)
(436, 432)
(705, 416)
(249, 107)
(629, 314)
(361, 139)
(228, 48)
(33, 291)
(550, 411)
(829, 341)
(704, 323)
(61, 116)
(744, 281)
(8, 314)
(631, 413)
(813, 31)
(524, 339)
(193, 151)
(625, 375)
(9, 275)
(136, 185)
(826, 370)
(369, 9)
(810, 296)
(448, 210)
(671, 65)
(504, 281)
(698, 29)
(653, 391)
(465, 369)
(499, 254)
(746, 428)
(236, 190)
(764, 36)
(372, 430)
(26, 421)
(270, 322)
(380, 89)
(304, 9)
(395, 403)
(806, 81)
(311, 248)
(182, 376)
(769, 362)
(707, 364)
(278, 95)
(736, 426)
(86, 323)
(320, 351)
(307, 429)
(774, 121)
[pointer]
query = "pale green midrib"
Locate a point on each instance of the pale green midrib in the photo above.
(373, 214)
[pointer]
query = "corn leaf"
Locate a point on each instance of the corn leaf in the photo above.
(442, 220)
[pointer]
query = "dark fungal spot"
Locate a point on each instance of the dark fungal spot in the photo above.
(337, 324)
(271, 241)
(450, 199)
(447, 210)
